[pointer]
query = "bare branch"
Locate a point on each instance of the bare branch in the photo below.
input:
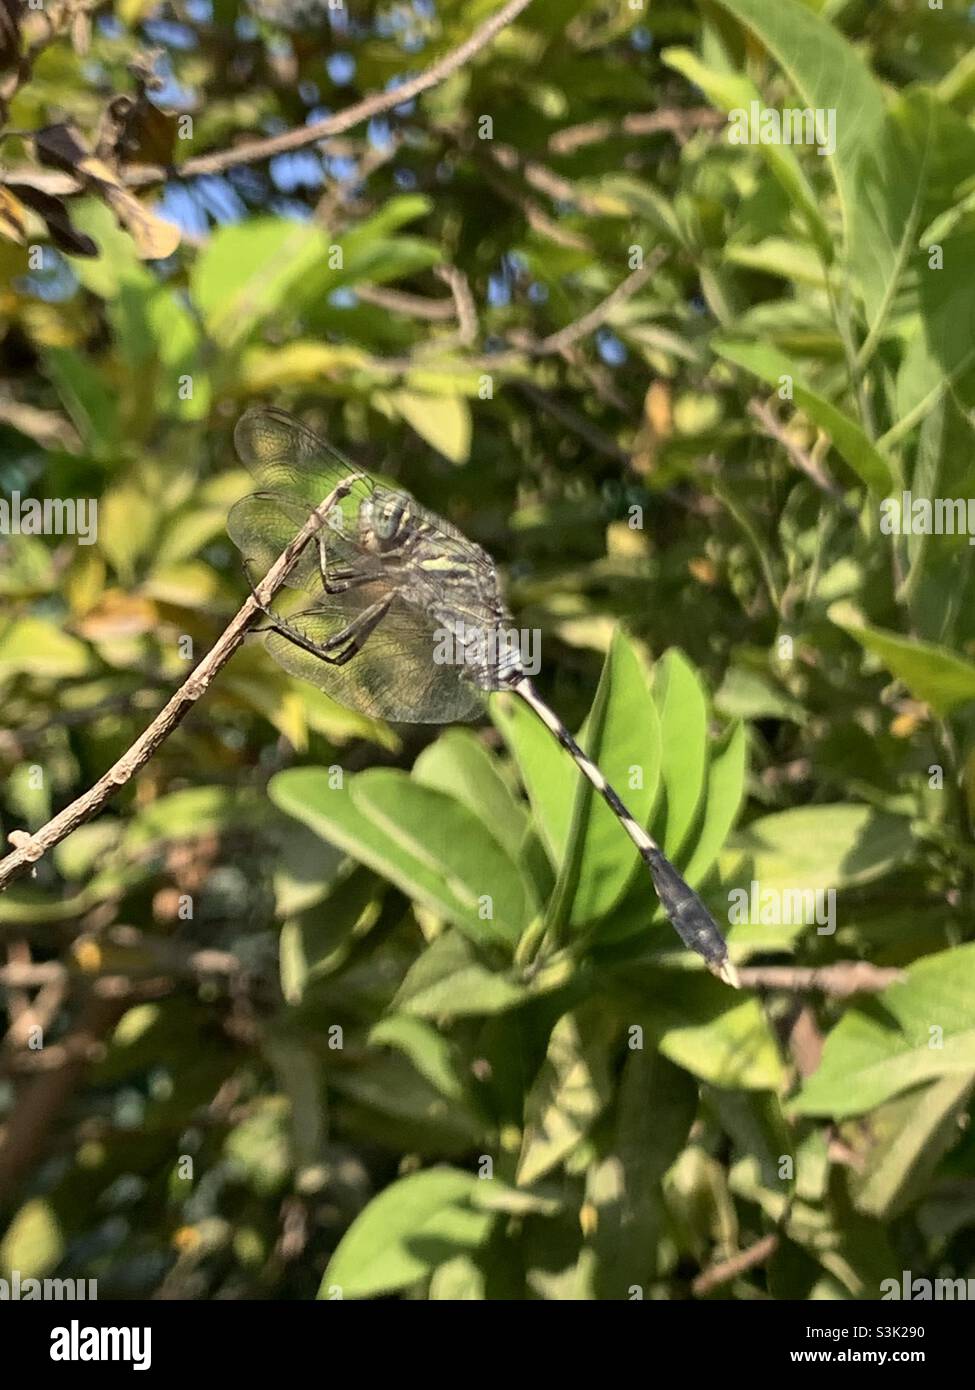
(139, 175)
(416, 306)
(464, 305)
(768, 422)
(30, 848)
(741, 1263)
(840, 980)
(680, 122)
(582, 327)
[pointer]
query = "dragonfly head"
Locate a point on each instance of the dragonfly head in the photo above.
(386, 512)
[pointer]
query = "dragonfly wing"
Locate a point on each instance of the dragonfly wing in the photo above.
(397, 674)
(288, 458)
(261, 529)
(263, 524)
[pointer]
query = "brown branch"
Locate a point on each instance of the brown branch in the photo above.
(464, 306)
(583, 326)
(138, 175)
(524, 346)
(416, 306)
(804, 1039)
(532, 211)
(768, 422)
(741, 1263)
(638, 123)
(542, 179)
(30, 848)
(127, 946)
(840, 980)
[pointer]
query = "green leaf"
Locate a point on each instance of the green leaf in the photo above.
(129, 525)
(622, 737)
(449, 979)
(913, 1032)
(684, 746)
(444, 835)
(828, 74)
(569, 1093)
(930, 672)
(409, 1229)
(459, 764)
(87, 397)
(390, 1101)
(655, 1107)
(184, 815)
(908, 1138)
(727, 1045)
(429, 845)
(726, 787)
(33, 1244)
(248, 269)
(443, 421)
(909, 186)
(805, 851)
(848, 438)
(33, 647)
(755, 1122)
(730, 91)
(431, 1053)
(548, 776)
(297, 364)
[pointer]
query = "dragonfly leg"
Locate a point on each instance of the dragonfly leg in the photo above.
(350, 640)
(339, 581)
(344, 645)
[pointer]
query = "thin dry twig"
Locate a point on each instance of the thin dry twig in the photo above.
(679, 122)
(415, 306)
(582, 327)
(726, 1270)
(30, 848)
(464, 306)
(768, 422)
(840, 980)
(138, 175)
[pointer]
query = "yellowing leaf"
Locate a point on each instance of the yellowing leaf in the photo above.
(443, 421)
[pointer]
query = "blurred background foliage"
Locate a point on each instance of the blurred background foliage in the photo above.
(282, 1047)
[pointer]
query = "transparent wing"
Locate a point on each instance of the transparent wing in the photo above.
(399, 674)
(263, 524)
(288, 458)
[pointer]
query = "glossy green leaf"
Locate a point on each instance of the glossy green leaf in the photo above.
(426, 843)
(908, 1138)
(449, 978)
(406, 1231)
(459, 764)
(911, 1033)
(930, 672)
(725, 789)
(549, 777)
(718, 1037)
(622, 737)
(569, 1093)
(829, 75)
(684, 747)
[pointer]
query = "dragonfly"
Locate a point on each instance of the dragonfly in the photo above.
(406, 618)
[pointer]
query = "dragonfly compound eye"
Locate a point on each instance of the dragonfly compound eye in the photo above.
(388, 514)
